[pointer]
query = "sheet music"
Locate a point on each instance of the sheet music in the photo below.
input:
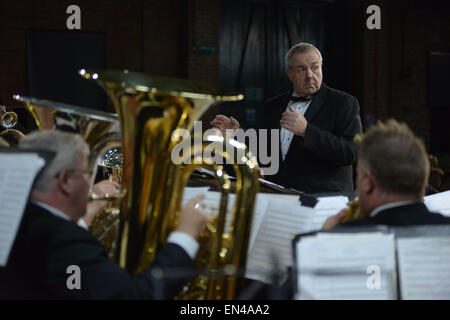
(191, 192)
(262, 203)
(326, 207)
(18, 171)
(282, 220)
(345, 266)
(439, 202)
(212, 201)
(424, 265)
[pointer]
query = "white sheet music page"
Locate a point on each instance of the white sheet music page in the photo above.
(424, 265)
(326, 207)
(190, 193)
(346, 266)
(439, 202)
(272, 245)
(18, 171)
(211, 205)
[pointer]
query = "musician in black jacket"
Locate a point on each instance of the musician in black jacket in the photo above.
(317, 125)
(50, 244)
(392, 175)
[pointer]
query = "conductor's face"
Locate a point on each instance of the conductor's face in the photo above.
(305, 73)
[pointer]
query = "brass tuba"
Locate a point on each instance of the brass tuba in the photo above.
(151, 109)
(92, 125)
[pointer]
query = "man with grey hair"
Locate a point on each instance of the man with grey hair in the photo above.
(317, 125)
(49, 241)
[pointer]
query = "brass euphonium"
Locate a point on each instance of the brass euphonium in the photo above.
(151, 109)
(223, 249)
(105, 224)
(93, 126)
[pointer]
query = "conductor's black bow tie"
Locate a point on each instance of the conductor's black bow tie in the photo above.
(300, 99)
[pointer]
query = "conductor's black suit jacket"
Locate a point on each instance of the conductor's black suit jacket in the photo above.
(321, 161)
(47, 245)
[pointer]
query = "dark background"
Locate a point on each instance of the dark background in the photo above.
(400, 71)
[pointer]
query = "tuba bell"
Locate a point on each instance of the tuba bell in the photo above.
(151, 110)
(92, 125)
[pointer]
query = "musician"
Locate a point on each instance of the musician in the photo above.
(317, 125)
(392, 174)
(49, 240)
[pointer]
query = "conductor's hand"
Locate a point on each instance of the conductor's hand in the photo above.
(192, 220)
(104, 187)
(333, 221)
(223, 123)
(2, 110)
(294, 121)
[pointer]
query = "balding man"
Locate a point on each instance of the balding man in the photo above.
(317, 125)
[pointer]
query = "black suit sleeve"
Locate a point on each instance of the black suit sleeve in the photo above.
(102, 279)
(338, 147)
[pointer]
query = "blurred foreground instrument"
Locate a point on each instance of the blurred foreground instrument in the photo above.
(155, 113)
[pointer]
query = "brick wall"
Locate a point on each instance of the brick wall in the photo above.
(153, 36)
(204, 19)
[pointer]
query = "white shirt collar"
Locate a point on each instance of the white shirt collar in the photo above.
(53, 210)
(389, 206)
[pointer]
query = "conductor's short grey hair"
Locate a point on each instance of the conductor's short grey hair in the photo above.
(69, 149)
(302, 47)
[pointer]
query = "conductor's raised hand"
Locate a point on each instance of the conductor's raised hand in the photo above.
(294, 121)
(224, 123)
(192, 220)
